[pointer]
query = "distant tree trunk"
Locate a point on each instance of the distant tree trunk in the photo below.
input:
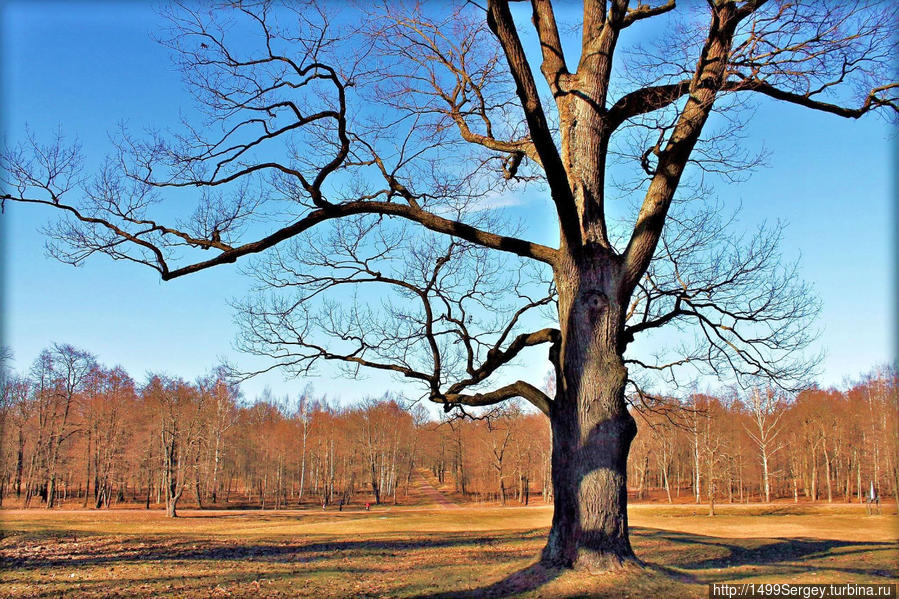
(896, 484)
(216, 465)
(29, 479)
(198, 492)
(51, 491)
(375, 488)
(303, 459)
(171, 506)
(170, 472)
(814, 468)
(499, 454)
(847, 494)
(696, 468)
(20, 460)
(667, 485)
(730, 480)
(644, 466)
(461, 474)
(858, 475)
(87, 474)
(280, 482)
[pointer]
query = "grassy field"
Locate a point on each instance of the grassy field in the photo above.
(437, 552)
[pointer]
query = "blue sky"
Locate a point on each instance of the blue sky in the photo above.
(85, 67)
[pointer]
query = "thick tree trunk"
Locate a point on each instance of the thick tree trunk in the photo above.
(591, 427)
(589, 475)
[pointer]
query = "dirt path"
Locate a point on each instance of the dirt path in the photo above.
(428, 490)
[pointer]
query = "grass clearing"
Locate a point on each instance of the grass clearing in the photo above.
(402, 552)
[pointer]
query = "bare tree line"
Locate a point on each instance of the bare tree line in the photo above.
(74, 431)
(764, 445)
(79, 433)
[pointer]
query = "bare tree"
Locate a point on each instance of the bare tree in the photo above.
(17, 391)
(767, 408)
(111, 395)
(60, 374)
(7, 407)
(417, 118)
(302, 414)
(713, 448)
(221, 400)
(178, 407)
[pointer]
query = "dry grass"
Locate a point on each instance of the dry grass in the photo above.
(400, 552)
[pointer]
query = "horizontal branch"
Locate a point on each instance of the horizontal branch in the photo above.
(872, 100)
(431, 221)
(644, 100)
(650, 99)
(645, 11)
(159, 265)
(517, 389)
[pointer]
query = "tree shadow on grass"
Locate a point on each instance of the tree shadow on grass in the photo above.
(527, 579)
(671, 559)
(691, 559)
(112, 550)
(778, 555)
(249, 584)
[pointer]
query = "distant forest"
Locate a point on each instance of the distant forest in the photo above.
(78, 433)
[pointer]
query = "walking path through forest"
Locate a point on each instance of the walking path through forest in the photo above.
(427, 490)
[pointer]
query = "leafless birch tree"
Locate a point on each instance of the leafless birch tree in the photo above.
(766, 408)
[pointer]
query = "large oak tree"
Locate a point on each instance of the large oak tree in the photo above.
(414, 115)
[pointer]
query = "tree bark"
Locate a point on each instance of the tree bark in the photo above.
(592, 428)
